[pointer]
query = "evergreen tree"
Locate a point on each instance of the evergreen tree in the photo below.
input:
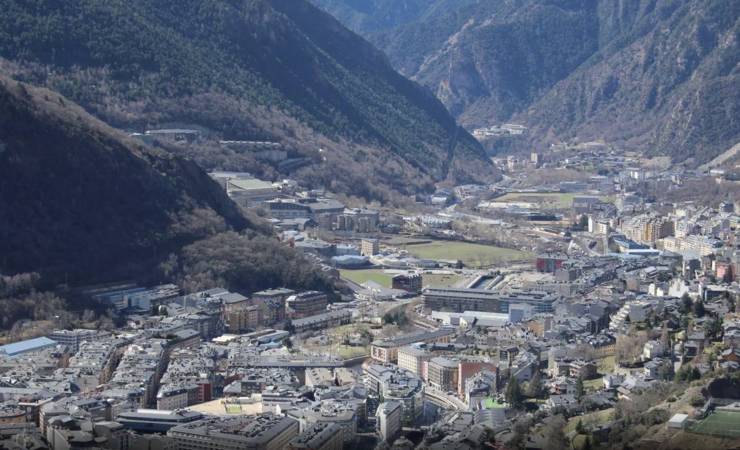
(686, 303)
(579, 390)
(579, 426)
(513, 393)
(713, 327)
(534, 388)
(699, 310)
(665, 339)
(687, 373)
(288, 343)
(289, 326)
(665, 372)
(695, 374)
(587, 445)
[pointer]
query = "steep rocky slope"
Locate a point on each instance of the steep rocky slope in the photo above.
(659, 75)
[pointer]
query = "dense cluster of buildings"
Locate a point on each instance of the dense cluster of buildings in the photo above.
(630, 283)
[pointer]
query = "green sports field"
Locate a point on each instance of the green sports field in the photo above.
(493, 404)
(719, 423)
(233, 409)
(470, 254)
(362, 276)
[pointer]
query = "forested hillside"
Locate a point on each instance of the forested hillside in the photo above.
(660, 76)
(81, 203)
(244, 69)
(78, 199)
(370, 16)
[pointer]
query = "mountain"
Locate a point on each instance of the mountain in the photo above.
(371, 16)
(279, 70)
(81, 201)
(659, 76)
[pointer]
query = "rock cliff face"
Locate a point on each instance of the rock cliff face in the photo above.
(659, 75)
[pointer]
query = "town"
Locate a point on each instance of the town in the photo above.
(590, 296)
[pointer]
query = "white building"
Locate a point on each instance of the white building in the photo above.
(73, 338)
(678, 421)
(412, 359)
(370, 247)
(652, 350)
(520, 312)
(636, 311)
(171, 398)
(389, 419)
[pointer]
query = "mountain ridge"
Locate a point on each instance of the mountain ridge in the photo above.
(658, 76)
(247, 70)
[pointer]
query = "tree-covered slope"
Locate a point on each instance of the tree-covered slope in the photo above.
(667, 83)
(371, 16)
(81, 201)
(659, 75)
(244, 69)
(489, 60)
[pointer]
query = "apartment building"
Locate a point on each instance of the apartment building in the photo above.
(413, 359)
(249, 317)
(410, 282)
(370, 247)
(177, 396)
(73, 338)
(465, 299)
(391, 383)
(443, 374)
(261, 432)
(319, 436)
(307, 304)
(550, 262)
(388, 422)
(386, 350)
(322, 321)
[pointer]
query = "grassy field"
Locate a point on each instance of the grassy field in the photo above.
(493, 404)
(342, 351)
(362, 276)
(600, 417)
(470, 254)
(233, 409)
(384, 279)
(605, 366)
(346, 352)
(579, 441)
(719, 423)
(439, 280)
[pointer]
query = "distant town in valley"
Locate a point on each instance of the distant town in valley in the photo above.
(587, 285)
